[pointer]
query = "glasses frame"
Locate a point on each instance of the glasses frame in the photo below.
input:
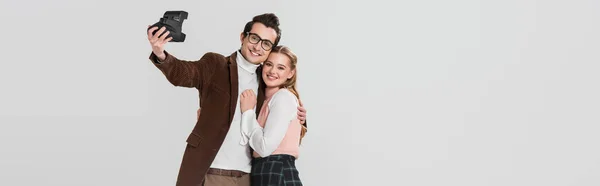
(248, 34)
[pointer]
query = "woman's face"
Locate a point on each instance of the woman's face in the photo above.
(276, 70)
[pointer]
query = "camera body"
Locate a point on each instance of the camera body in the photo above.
(172, 21)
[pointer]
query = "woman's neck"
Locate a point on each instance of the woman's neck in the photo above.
(269, 91)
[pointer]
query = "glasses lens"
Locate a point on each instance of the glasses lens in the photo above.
(254, 38)
(267, 45)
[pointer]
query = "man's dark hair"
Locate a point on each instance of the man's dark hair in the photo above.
(270, 20)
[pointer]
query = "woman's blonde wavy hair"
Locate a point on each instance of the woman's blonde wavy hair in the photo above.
(290, 84)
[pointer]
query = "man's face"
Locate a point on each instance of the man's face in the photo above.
(255, 42)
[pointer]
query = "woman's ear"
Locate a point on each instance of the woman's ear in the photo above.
(292, 73)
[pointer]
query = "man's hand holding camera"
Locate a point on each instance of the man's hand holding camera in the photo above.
(158, 41)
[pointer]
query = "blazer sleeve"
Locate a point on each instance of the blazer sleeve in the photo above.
(185, 73)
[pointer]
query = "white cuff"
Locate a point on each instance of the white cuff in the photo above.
(248, 124)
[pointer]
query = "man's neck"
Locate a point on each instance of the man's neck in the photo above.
(244, 57)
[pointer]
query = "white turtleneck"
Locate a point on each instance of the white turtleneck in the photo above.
(233, 155)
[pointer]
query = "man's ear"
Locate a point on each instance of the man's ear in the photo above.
(242, 37)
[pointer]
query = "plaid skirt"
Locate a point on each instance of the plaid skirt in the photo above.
(275, 170)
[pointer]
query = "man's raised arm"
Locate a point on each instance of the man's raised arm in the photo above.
(178, 72)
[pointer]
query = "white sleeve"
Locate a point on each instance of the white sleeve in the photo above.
(282, 110)
(248, 125)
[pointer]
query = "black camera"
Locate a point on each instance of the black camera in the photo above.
(172, 21)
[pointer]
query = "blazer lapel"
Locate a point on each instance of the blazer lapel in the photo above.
(233, 80)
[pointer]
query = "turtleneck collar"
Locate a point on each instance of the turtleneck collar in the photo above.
(244, 64)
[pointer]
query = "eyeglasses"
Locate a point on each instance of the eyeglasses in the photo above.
(254, 39)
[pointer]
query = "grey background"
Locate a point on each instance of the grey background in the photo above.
(413, 93)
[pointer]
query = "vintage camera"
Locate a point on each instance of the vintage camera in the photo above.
(172, 21)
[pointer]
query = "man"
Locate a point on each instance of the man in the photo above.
(214, 155)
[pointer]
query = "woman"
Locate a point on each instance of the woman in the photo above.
(276, 135)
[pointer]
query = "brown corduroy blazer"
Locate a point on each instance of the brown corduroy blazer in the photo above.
(216, 78)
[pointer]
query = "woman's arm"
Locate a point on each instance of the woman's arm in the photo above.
(282, 110)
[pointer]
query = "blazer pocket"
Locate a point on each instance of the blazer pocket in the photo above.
(193, 139)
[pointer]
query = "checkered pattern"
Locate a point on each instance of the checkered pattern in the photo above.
(275, 170)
